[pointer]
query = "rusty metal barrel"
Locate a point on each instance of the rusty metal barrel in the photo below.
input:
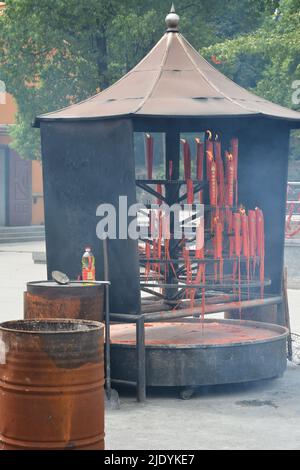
(76, 300)
(51, 385)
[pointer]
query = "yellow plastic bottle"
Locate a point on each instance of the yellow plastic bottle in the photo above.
(88, 265)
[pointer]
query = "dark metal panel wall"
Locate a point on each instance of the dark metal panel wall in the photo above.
(86, 164)
(263, 173)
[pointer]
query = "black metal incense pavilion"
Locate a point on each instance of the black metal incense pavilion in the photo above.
(89, 159)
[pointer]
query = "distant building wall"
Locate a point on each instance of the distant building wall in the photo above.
(19, 190)
(37, 194)
(2, 187)
(21, 184)
(8, 110)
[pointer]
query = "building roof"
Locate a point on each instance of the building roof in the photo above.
(173, 80)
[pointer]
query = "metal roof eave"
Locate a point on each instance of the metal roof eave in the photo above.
(293, 123)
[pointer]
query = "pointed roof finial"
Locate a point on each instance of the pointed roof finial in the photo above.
(172, 20)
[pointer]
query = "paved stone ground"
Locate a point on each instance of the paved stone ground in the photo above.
(264, 415)
(16, 269)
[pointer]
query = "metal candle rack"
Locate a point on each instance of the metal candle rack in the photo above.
(168, 288)
(173, 279)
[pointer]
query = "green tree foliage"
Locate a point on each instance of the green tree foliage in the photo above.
(53, 53)
(267, 61)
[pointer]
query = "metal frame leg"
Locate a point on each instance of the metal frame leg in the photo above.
(141, 359)
(107, 344)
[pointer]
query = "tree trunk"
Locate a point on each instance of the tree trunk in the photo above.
(102, 63)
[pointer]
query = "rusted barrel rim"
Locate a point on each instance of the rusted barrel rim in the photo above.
(53, 284)
(48, 289)
(34, 326)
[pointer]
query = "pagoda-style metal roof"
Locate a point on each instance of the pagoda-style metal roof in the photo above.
(173, 80)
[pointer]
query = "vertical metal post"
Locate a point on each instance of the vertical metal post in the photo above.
(107, 343)
(107, 321)
(141, 359)
(281, 314)
(172, 192)
(287, 314)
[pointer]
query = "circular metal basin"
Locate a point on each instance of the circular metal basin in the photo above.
(194, 353)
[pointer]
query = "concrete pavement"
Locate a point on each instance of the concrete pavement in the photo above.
(258, 416)
(16, 269)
